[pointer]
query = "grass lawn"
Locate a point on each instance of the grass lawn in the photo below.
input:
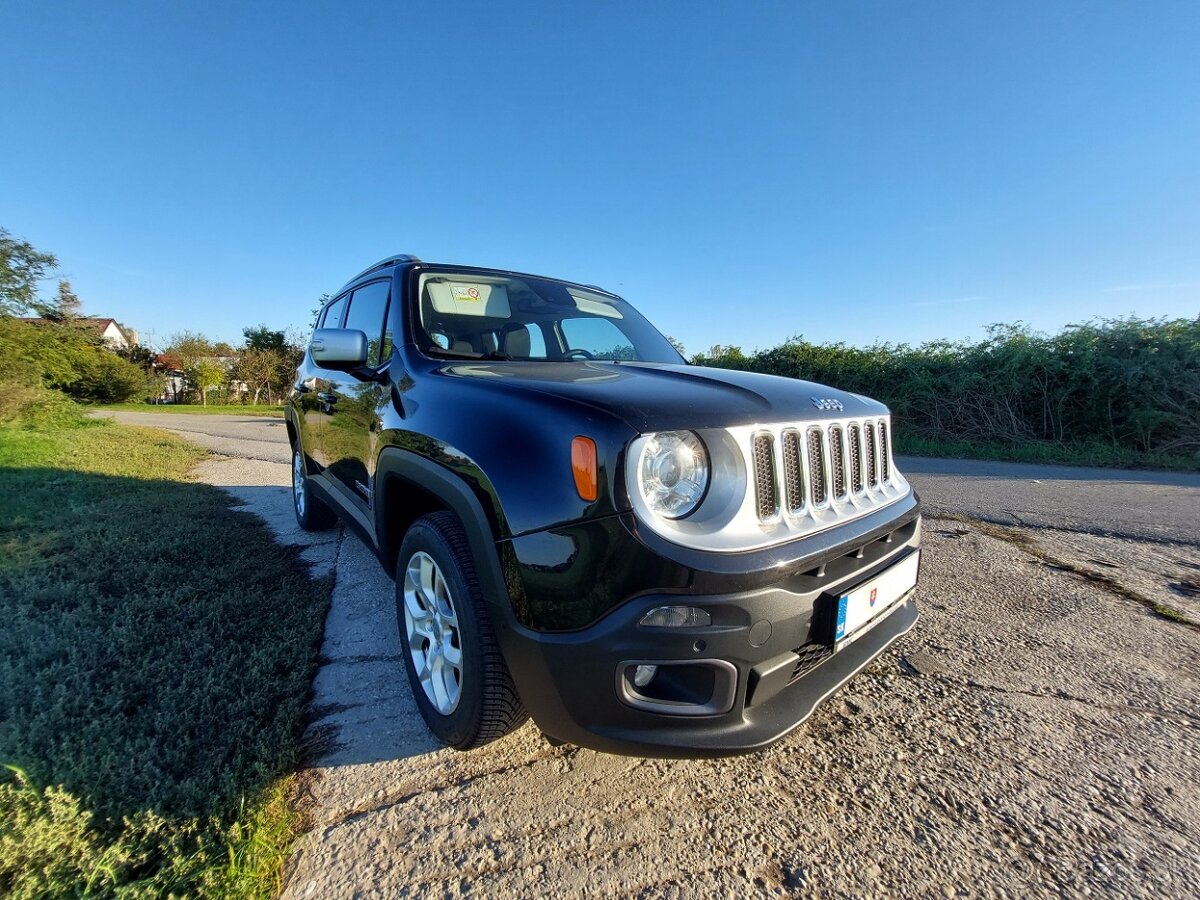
(211, 410)
(155, 663)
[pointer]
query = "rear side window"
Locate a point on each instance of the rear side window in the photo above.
(333, 314)
(368, 306)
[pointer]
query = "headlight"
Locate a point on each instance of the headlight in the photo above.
(673, 473)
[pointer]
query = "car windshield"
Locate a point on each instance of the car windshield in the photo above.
(480, 315)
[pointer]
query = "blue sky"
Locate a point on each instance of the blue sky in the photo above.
(741, 172)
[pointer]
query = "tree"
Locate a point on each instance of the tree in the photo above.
(184, 353)
(22, 266)
(260, 337)
(188, 347)
(260, 370)
(205, 374)
(321, 301)
(65, 308)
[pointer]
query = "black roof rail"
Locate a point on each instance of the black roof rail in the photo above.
(384, 263)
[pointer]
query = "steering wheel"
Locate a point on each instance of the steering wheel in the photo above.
(578, 353)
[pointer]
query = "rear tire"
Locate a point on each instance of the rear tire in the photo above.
(311, 513)
(458, 676)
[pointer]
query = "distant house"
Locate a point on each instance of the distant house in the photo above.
(115, 335)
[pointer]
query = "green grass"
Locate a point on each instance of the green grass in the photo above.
(155, 664)
(1098, 454)
(211, 410)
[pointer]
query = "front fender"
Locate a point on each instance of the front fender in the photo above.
(459, 485)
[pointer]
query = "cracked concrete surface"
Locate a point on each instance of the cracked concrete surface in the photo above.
(1042, 742)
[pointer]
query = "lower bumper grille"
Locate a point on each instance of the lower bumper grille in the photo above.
(811, 656)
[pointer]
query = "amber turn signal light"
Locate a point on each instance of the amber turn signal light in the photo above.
(583, 464)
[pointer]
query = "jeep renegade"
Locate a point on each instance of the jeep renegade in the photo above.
(645, 556)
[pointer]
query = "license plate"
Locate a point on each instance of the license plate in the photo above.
(870, 599)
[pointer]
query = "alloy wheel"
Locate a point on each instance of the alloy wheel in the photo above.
(434, 639)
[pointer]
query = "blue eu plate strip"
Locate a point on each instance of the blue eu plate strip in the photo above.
(841, 619)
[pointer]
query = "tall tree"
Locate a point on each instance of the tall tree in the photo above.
(65, 307)
(22, 266)
(260, 337)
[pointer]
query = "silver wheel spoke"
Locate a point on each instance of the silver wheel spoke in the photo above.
(452, 654)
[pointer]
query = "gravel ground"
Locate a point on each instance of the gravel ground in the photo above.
(1040, 739)
(1036, 734)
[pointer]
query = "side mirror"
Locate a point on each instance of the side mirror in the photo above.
(343, 349)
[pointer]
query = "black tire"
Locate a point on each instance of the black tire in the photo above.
(487, 706)
(311, 513)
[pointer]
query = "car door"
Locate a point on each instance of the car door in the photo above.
(313, 391)
(351, 428)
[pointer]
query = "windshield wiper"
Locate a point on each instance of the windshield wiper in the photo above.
(468, 354)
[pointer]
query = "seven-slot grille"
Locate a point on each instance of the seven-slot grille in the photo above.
(833, 460)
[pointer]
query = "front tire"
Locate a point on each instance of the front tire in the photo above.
(455, 668)
(311, 513)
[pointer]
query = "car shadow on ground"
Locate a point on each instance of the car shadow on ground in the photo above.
(157, 644)
(362, 709)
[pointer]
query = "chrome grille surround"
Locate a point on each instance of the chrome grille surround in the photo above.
(774, 482)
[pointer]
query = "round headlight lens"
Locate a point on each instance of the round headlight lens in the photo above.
(673, 473)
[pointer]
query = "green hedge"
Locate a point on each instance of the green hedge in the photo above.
(65, 358)
(1131, 384)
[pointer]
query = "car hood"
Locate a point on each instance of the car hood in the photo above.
(660, 397)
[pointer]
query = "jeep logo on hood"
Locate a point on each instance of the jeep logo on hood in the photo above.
(827, 403)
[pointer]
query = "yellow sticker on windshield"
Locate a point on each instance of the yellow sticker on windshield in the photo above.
(465, 293)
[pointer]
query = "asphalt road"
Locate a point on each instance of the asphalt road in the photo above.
(1035, 735)
(1155, 506)
(248, 437)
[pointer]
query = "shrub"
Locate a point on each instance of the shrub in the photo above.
(1132, 384)
(63, 357)
(30, 404)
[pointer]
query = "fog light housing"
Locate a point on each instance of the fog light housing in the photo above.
(676, 617)
(678, 687)
(643, 675)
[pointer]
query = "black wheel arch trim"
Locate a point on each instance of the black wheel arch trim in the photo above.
(458, 496)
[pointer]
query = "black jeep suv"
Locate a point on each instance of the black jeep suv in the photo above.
(648, 557)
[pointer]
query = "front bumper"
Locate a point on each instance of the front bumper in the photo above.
(769, 645)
